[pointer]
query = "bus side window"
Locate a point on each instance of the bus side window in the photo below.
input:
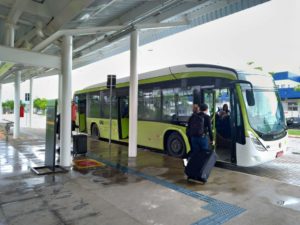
(168, 104)
(149, 104)
(105, 105)
(184, 104)
(94, 105)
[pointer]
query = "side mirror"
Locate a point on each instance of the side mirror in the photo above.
(249, 93)
(250, 97)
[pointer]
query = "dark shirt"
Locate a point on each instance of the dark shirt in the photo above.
(207, 125)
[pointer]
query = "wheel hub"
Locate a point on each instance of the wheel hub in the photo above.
(176, 145)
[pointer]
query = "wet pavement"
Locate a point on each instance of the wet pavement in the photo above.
(150, 189)
(285, 169)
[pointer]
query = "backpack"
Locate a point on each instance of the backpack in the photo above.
(195, 125)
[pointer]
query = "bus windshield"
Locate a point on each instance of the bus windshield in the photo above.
(266, 116)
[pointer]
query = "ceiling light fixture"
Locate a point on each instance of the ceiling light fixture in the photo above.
(85, 16)
(39, 1)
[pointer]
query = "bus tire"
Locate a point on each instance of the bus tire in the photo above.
(95, 131)
(175, 145)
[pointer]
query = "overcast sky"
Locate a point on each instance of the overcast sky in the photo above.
(267, 34)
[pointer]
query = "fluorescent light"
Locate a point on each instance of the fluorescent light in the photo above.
(85, 16)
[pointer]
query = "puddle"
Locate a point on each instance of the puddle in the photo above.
(32, 182)
(154, 171)
(289, 202)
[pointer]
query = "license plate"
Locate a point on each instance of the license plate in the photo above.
(279, 154)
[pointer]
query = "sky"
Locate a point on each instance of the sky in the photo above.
(267, 34)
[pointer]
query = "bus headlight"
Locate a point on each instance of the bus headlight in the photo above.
(258, 145)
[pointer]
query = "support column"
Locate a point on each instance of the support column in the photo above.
(133, 94)
(59, 92)
(30, 101)
(9, 35)
(1, 110)
(17, 105)
(65, 117)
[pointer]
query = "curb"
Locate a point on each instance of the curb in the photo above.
(294, 136)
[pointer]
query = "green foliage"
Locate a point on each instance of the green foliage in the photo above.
(294, 132)
(40, 103)
(272, 73)
(297, 88)
(8, 105)
(258, 68)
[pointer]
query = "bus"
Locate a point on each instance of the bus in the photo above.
(253, 133)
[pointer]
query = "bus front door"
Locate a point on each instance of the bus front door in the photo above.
(123, 117)
(82, 113)
(225, 124)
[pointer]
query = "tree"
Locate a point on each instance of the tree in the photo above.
(8, 105)
(40, 103)
(272, 73)
(297, 88)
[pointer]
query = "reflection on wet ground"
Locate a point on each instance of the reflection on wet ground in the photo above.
(85, 195)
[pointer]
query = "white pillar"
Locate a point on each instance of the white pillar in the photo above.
(17, 105)
(59, 92)
(10, 35)
(65, 117)
(30, 101)
(133, 94)
(1, 110)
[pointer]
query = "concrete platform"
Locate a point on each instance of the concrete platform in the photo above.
(151, 189)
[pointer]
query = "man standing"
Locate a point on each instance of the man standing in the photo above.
(203, 141)
(199, 125)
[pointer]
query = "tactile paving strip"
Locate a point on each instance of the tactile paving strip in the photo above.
(222, 211)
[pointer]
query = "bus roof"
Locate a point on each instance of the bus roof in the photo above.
(171, 73)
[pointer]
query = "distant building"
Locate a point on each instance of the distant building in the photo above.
(286, 83)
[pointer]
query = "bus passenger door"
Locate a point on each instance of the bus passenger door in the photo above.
(225, 124)
(82, 113)
(209, 98)
(123, 117)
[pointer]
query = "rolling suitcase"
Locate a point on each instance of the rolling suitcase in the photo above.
(200, 165)
(79, 144)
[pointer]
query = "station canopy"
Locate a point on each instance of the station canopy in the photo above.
(100, 28)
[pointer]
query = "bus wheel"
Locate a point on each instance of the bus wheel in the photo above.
(176, 145)
(95, 132)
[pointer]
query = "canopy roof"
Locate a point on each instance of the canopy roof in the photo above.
(100, 27)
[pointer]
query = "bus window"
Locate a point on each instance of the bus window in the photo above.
(105, 105)
(149, 103)
(169, 108)
(184, 104)
(94, 105)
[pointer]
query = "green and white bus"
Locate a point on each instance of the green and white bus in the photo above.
(253, 133)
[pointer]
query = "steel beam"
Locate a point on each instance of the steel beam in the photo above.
(16, 11)
(29, 58)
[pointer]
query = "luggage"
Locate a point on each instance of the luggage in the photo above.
(200, 165)
(79, 144)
